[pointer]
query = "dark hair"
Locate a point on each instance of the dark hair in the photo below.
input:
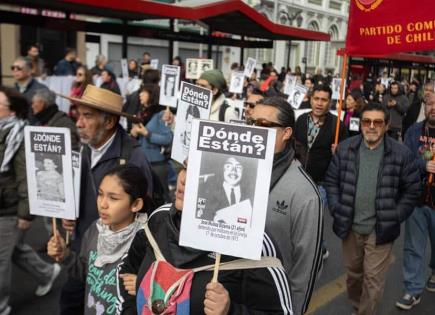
(36, 45)
(17, 102)
(146, 53)
(376, 107)
(257, 91)
(193, 111)
(70, 50)
(110, 73)
(322, 88)
(133, 181)
(151, 76)
(309, 79)
(88, 78)
(153, 92)
(286, 115)
(179, 60)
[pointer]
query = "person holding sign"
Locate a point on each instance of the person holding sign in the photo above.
(294, 219)
(220, 110)
(121, 199)
(354, 104)
(155, 259)
(14, 204)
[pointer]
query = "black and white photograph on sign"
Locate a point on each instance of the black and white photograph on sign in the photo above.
(225, 180)
(249, 67)
(77, 170)
(236, 85)
(169, 85)
(354, 124)
(204, 65)
(229, 175)
(289, 84)
(194, 102)
(49, 179)
(385, 82)
(192, 70)
(154, 63)
(124, 68)
(238, 107)
(335, 86)
(297, 95)
(49, 172)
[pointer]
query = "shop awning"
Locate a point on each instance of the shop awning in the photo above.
(405, 57)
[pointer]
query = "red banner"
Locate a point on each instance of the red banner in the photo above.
(381, 27)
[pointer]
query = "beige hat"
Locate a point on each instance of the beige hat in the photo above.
(103, 100)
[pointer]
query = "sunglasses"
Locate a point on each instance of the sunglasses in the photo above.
(261, 122)
(17, 68)
(377, 123)
(249, 104)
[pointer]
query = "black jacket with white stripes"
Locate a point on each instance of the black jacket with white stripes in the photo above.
(252, 291)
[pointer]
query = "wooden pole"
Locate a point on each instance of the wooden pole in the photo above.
(340, 98)
(67, 237)
(54, 223)
(216, 268)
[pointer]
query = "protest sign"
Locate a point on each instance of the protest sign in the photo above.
(385, 82)
(228, 176)
(238, 107)
(236, 85)
(124, 68)
(250, 67)
(169, 85)
(194, 102)
(335, 85)
(154, 63)
(192, 71)
(296, 96)
(205, 65)
(354, 124)
(77, 171)
(299, 112)
(289, 84)
(49, 172)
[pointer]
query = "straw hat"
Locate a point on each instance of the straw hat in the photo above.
(103, 100)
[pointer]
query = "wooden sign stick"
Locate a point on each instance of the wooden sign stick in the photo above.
(67, 237)
(216, 268)
(54, 223)
(340, 98)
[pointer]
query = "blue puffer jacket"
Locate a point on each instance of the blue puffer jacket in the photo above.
(160, 135)
(412, 141)
(398, 189)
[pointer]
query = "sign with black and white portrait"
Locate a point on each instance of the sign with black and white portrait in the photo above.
(194, 103)
(169, 85)
(225, 200)
(154, 63)
(192, 68)
(49, 172)
(335, 86)
(236, 84)
(297, 95)
(205, 65)
(249, 67)
(289, 84)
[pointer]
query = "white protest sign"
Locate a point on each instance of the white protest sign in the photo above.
(49, 172)
(335, 86)
(238, 107)
(297, 95)
(205, 65)
(192, 68)
(194, 102)
(335, 113)
(236, 85)
(124, 68)
(289, 84)
(229, 173)
(169, 85)
(354, 124)
(249, 67)
(77, 173)
(385, 82)
(299, 112)
(154, 63)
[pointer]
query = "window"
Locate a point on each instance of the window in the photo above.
(329, 50)
(312, 47)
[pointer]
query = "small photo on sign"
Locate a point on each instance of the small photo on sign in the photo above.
(297, 95)
(49, 178)
(250, 67)
(225, 180)
(169, 85)
(237, 80)
(289, 84)
(335, 86)
(192, 70)
(354, 124)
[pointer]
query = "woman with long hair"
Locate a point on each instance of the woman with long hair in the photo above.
(83, 78)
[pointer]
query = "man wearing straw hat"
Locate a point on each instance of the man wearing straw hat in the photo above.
(105, 145)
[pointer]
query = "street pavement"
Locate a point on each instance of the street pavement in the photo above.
(329, 297)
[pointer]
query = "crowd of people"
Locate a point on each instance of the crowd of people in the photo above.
(124, 256)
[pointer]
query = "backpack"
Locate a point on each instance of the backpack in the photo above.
(157, 197)
(166, 289)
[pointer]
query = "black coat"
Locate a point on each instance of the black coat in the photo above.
(398, 188)
(316, 159)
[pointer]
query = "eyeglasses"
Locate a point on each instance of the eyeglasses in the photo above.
(261, 122)
(377, 123)
(249, 104)
(230, 167)
(17, 68)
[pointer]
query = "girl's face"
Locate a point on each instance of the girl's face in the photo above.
(105, 77)
(114, 205)
(144, 98)
(80, 75)
(350, 102)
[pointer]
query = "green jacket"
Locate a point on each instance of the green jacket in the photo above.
(13, 183)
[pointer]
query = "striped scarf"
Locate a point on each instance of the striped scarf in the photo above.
(13, 139)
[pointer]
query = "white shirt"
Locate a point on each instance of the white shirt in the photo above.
(421, 115)
(97, 154)
(228, 188)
